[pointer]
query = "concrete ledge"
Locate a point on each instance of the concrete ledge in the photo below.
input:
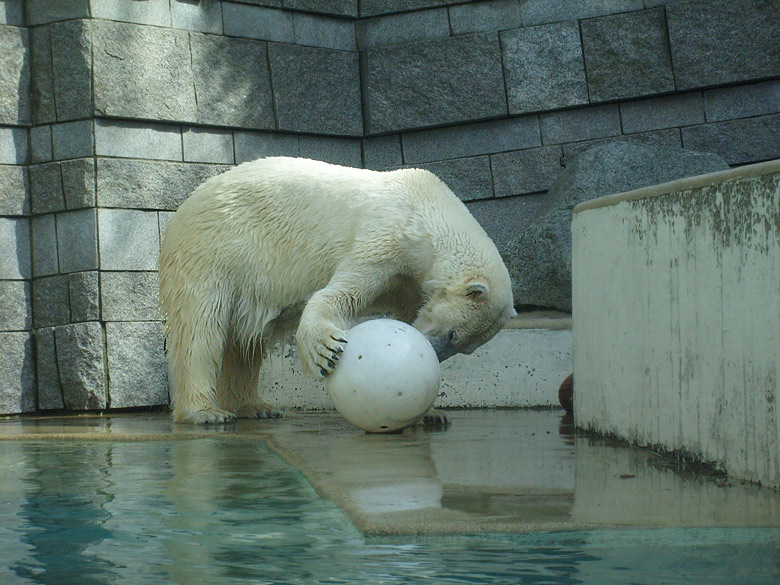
(677, 318)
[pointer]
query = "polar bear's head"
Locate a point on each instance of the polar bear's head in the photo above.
(462, 315)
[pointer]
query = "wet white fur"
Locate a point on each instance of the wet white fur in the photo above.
(285, 243)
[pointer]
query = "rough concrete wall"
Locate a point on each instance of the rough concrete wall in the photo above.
(677, 319)
(133, 103)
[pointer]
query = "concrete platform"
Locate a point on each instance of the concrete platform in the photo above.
(511, 470)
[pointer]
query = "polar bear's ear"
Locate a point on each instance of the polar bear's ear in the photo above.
(477, 291)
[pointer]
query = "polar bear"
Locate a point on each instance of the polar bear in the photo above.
(283, 244)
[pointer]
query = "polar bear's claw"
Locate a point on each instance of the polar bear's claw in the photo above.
(211, 416)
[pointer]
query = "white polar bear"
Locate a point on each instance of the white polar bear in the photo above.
(284, 242)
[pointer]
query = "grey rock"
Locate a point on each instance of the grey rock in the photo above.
(232, 82)
(78, 183)
(471, 139)
(46, 11)
(325, 32)
(522, 172)
(16, 262)
(73, 139)
(81, 362)
(41, 148)
(208, 146)
(45, 260)
(136, 362)
(485, 16)
(669, 138)
(434, 82)
(136, 140)
(15, 305)
(716, 42)
(17, 373)
(49, 387)
(46, 188)
(149, 184)
(375, 7)
(633, 44)
(143, 72)
(316, 91)
(129, 296)
(743, 101)
(77, 240)
(254, 145)
(198, 16)
(14, 194)
(155, 12)
(12, 12)
(397, 29)
(13, 146)
(332, 7)
(84, 294)
(544, 11)
(382, 152)
(469, 178)
(742, 141)
(14, 76)
(42, 80)
(662, 112)
(129, 239)
(51, 305)
(580, 124)
(340, 151)
(71, 44)
(257, 22)
(539, 260)
(543, 67)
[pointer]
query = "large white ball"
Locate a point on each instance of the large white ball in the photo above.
(387, 378)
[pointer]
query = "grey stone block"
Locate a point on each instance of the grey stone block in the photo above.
(12, 12)
(163, 217)
(77, 240)
(325, 32)
(84, 294)
(15, 262)
(485, 16)
(143, 72)
(382, 152)
(719, 41)
(155, 12)
(543, 68)
(376, 7)
(135, 140)
(471, 140)
(13, 146)
(129, 239)
(46, 11)
(539, 261)
(51, 305)
(435, 82)
(232, 82)
(127, 183)
(49, 387)
(258, 22)
(81, 361)
(44, 245)
(662, 112)
(42, 80)
(580, 124)
(198, 16)
(632, 44)
(129, 296)
(208, 146)
(136, 362)
(73, 139)
(254, 145)
(40, 144)
(527, 171)
(340, 151)
(743, 101)
(14, 194)
(544, 11)
(78, 183)
(669, 138)
(316, 90)
(14, 76)
(46, 188)
(333, 7)
(71, 44)
(469, 178)
(398, 29)
(15, 305)
(748, 140)
(17, 373)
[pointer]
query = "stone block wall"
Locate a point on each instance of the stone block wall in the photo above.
(112, 111)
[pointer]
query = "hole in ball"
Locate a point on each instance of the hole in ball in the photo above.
(360, 357)
(383, 427)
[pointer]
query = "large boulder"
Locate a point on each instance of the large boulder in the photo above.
(539, 259)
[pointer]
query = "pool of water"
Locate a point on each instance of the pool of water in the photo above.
(215, 511)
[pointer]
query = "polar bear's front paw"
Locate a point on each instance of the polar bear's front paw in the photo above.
(206, 416)
(321, 356)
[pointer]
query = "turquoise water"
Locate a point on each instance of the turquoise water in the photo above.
(223, 512)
